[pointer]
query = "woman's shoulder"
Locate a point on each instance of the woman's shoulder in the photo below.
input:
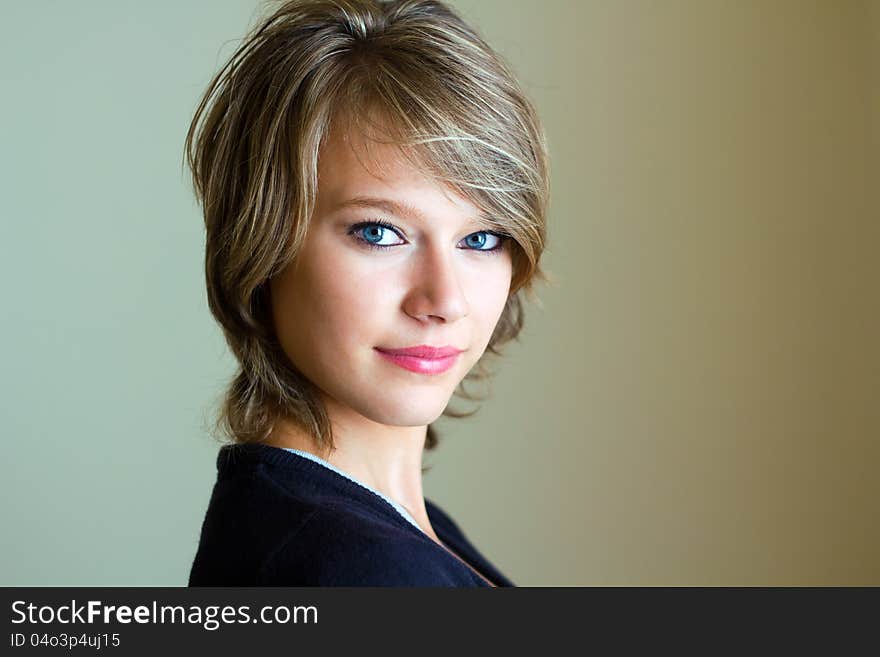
(280, 520)
(338, 547)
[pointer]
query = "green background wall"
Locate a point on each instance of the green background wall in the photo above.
(693, 402)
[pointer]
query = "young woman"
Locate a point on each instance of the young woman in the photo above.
(375, 187)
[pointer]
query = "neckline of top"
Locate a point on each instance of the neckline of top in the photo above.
(276, 455)
(395, 505)
(398, 507)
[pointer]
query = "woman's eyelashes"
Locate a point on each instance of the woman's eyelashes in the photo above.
(376, 235)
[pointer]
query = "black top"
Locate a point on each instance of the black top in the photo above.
(276, 518)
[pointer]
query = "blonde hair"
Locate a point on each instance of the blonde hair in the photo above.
(408, 72)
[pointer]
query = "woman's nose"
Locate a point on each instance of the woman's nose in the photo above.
(437, 288)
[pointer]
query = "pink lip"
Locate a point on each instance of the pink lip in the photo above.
(422, 359)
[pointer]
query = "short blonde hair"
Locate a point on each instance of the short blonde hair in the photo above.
(407, 72)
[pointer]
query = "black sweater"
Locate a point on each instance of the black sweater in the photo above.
(276, 518)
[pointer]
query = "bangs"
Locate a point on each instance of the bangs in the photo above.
(450, 134)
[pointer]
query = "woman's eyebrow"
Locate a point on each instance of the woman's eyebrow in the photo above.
(397, 208)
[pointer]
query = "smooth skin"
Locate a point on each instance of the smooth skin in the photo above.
(341, 298)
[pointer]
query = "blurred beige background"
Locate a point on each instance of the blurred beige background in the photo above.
(693, 403)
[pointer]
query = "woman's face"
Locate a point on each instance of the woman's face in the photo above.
(357, 288)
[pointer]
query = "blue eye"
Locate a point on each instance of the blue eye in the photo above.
(374, 234)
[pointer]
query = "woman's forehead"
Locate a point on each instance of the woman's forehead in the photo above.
(355, 171)
(348, 155)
